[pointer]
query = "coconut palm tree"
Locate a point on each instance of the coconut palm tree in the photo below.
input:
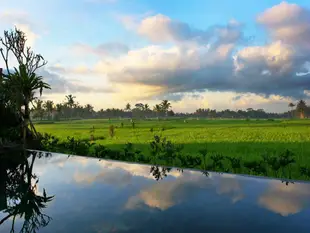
(128, 107)
(89, 110)
(49, 106)
(291, 105)
(59, 109)
(157, 108)
(165, 106)
(38, 108)
(70, 102)
(301, 108)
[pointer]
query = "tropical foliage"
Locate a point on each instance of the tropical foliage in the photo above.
(20, 84)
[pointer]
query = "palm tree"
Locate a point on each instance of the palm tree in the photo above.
(291, 105)
(301, 108)
(70, 102)
(165, 106)
(38, 108)
(59, 108)
(157, 108)
(128, 107)
(89, 109)
(49, 106)
(21, 87)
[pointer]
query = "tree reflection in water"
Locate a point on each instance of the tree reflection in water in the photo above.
(23, 199)
(160, 172)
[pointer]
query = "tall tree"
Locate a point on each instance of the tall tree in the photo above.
(49, 106)
(70, 103)
(165, 106)
(59, 109)
(128, 107)
(301, 108)
(140, 106)
(38, 108)
(157, 108)
(89, 109)
(70, 100)
(23, 82)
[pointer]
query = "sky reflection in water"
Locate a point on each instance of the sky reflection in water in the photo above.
(107, 196)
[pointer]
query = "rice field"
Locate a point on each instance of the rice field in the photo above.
(241, 138)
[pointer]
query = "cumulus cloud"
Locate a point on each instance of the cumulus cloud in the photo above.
(285, 200)
(219, 57)
(107, 177)
(260, 70)
(160, 28)
(117, 173)
(168, 193)
(287, 22)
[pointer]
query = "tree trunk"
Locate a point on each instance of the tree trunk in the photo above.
(25, 126)
(292, 113)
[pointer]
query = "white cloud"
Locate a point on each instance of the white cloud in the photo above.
(168, 193)
(118, 173)
(285, 200)
(288, 22)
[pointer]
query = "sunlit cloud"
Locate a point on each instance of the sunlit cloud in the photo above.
(285, 200)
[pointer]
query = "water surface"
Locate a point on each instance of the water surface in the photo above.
(78, 194)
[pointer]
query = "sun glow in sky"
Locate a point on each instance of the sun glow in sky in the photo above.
(198, 54)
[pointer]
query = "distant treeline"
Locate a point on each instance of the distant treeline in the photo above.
(71, 109)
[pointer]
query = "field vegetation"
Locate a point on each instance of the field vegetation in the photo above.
(229, 141)
(246, 138)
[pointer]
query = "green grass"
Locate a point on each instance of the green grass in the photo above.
(236, 138)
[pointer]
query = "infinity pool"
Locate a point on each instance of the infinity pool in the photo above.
(61, 193)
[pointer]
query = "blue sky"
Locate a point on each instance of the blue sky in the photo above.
(196, 53)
